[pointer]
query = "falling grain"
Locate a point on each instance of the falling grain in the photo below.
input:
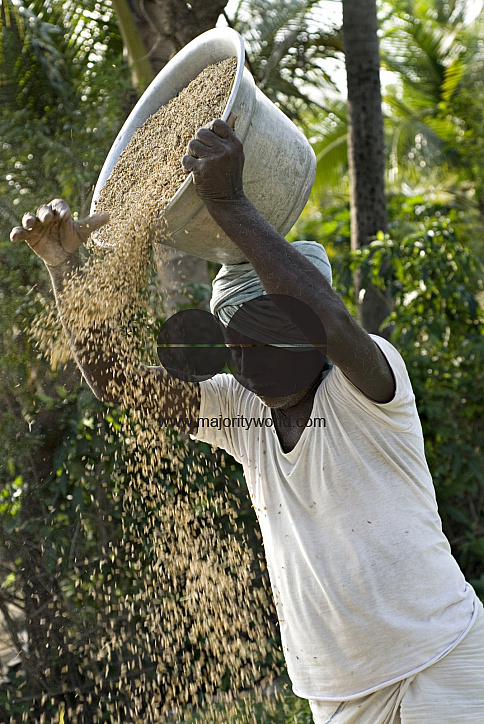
(194, 620)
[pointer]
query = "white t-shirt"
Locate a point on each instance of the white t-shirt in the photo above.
(366, 589)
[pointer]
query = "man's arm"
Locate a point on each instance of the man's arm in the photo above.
(56, 238)
(216, 159)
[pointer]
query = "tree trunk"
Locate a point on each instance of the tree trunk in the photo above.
(366, 149)
(165, 26)
(142, 71)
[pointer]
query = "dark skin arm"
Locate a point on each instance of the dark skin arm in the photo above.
(216, 159)
(56, 238)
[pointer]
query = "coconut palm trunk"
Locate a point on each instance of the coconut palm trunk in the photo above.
(366, 150)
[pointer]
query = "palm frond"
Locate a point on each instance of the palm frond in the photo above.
(31, 64)
(426, 44)
(453, 76)
(331, 148)
(55, 57)
(287, 42)
(450, 11)
(332, 164)
(422, 50)
(45, 49)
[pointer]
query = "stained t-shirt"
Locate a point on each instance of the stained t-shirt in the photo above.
(366, 589)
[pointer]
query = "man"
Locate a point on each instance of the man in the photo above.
(378, 625)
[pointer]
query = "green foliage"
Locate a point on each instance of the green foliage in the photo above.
(435, 118)
(331, 149)
(438, 326)
(433, 114)
(60, 508)
(286, 43)
(60, 107)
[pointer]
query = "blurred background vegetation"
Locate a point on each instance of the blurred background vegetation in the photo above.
(69, 75)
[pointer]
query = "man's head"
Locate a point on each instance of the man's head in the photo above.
(276, 374)
(277, 342)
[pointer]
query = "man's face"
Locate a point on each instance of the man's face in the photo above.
(277, 375)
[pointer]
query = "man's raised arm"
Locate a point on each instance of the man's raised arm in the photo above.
(215, 157)
(56, 238)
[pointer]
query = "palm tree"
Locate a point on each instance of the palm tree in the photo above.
(435, 117)
(287, 44)
(366, 148)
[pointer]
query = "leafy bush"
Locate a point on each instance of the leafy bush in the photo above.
(438, 327)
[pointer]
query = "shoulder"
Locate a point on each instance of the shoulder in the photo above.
(389, 350)
(360, 359)
(396, 363)
(221, 385)
(225, 394)
(225, 407)
(403, 396)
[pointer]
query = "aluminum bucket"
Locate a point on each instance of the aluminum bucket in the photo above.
(280, 164)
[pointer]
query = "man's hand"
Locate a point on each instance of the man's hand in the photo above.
(53, 234)
(216, 158)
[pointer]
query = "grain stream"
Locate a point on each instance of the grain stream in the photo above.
(191, 622)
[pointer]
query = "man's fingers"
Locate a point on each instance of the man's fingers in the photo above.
(197, 149)
(61, 207)
(93, 223)
(189, 163)
(45, 213)
(205, 136)
(29, 220)
(231, 120)
(222, 129)
(19, 234)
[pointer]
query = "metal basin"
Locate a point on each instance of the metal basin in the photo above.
(280, 164)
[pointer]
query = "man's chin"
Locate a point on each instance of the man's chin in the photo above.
(277, 403)
(277, 400)
(286, 402)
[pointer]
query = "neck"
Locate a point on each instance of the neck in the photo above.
(306, 396)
